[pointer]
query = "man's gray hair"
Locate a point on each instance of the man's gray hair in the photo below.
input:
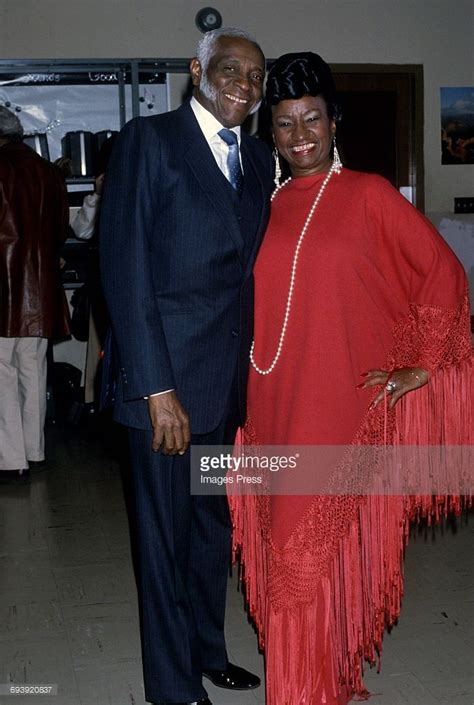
(10, 126)
(207, 44)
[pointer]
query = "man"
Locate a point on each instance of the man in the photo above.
(180, 229)
(34, 219)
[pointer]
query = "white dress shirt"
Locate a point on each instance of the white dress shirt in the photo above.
(210, 127)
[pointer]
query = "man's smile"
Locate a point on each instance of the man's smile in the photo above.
(236, 99)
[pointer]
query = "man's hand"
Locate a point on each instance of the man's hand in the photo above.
(171, 432)
(396, 383)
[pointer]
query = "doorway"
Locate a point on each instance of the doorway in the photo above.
(381, 129)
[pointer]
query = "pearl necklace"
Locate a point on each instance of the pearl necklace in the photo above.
(334, 169)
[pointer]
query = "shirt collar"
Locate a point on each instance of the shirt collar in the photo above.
(209, 125)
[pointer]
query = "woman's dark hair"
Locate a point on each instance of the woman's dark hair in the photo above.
(304, 73)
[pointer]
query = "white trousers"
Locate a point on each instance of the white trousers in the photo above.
(22, 401)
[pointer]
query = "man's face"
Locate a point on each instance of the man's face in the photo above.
(232, 86)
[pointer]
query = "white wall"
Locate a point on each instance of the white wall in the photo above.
(435, 33)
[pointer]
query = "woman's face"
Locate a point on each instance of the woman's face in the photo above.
(303, 134)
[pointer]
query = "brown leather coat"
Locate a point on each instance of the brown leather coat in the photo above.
(33, 226)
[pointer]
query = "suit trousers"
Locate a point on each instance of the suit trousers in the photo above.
(183, 547)
(22, 401)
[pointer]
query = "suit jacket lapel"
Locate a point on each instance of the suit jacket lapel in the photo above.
(200, 160)
(257, 190)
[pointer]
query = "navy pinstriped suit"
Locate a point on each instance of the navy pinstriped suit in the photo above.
(177, 251)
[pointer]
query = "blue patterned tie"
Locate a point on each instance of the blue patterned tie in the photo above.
(236, 177)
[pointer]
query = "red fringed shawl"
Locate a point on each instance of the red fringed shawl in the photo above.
(376, 286)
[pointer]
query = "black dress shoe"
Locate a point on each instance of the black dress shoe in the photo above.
(233, 677)
(15, 477)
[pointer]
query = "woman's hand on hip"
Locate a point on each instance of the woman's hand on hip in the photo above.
(395, 383)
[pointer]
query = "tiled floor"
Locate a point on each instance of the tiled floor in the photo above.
(68, 612)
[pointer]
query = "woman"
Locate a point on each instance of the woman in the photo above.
(359, 302)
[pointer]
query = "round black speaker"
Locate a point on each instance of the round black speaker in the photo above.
(208, 18)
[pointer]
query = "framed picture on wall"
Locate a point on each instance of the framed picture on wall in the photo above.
(457, 125)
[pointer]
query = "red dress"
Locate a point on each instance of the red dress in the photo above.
(376, 287)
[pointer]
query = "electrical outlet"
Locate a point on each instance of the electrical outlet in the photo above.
(464, 205)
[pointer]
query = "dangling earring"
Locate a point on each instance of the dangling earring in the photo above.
(336, 159)
(276, 157)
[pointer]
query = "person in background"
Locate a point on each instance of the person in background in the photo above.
(34, 217)
(65, 164)
(362, 341)
(84, 221)
(85, 227)
(185, 204)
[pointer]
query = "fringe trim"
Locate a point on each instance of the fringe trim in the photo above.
(249, 545)
(365, 576)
